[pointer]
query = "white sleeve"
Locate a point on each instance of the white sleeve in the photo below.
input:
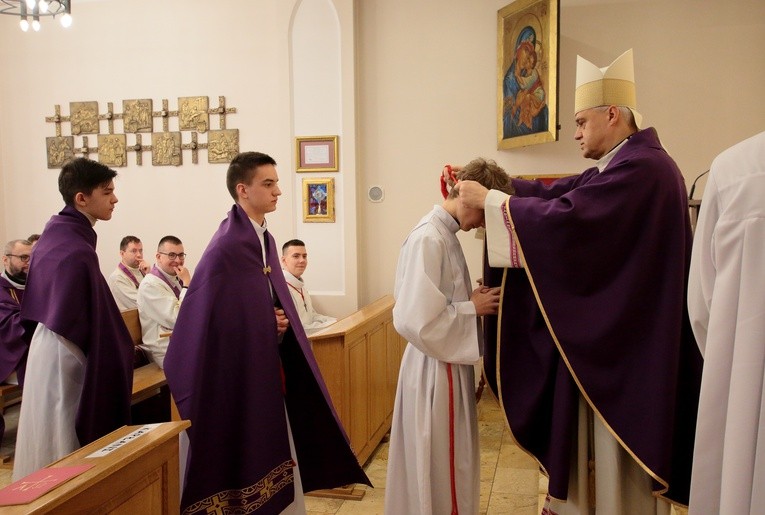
(124, 291)
(497, 232)
(701, 277)
(439, 327)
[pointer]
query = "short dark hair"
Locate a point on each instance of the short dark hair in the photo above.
(292, 243)
(243, 168)
(169, 239)
(81, 175)
(127, 240)
(33, 238)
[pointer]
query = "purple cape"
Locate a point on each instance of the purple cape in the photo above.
(66, 292)
(224, 366)
(607, 256)
(14, 335)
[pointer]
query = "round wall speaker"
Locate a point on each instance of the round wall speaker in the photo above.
(376, 194)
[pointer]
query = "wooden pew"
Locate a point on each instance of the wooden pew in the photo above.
(138, 476)
(148, 380)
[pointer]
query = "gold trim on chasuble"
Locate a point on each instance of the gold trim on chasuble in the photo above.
(506, 208)
(247, 499)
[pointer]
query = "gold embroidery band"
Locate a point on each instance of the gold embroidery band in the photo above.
(592, 406)
(605, 92)
(248, 499)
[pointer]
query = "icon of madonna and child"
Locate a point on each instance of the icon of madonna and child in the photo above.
(525, 108)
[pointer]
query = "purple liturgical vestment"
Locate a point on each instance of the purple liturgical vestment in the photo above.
(14, 336)
(66, 292)
(224, 367)
(600, 310)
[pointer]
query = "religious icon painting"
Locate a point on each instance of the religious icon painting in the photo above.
(166, 149)
(527, 74)
(319, 200)
(84, 117)
(60, 150)
(112, 149)
(137, 115)
(222, 145)
(193, 114)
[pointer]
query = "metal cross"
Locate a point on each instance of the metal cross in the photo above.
(139, 149)
(57, 119)
(165, 114)
(85, 150)
(222, 110)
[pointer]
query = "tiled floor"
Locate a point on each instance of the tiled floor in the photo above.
(510, 480)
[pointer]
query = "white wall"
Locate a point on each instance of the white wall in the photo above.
(417, 86)
(119, 50)
(427, 96)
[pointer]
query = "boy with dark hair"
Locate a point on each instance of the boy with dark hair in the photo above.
(80, 366)
(263, 426)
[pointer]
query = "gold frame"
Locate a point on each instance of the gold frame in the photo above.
(306, 164)
(522, 26)
(329, 190)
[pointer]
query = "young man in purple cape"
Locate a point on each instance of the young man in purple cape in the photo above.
(593, 359)
(242, 371)
(80, 367)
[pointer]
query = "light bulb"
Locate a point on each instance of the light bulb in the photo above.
(36, 25)
(43, 6)
(30, 4)
(24, 24)
(66, 20)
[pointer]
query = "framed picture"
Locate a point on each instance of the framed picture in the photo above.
(316, 153)
(527, 73)
(319, 200)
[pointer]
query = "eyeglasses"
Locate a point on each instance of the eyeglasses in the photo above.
(24, 257)
(173, 255)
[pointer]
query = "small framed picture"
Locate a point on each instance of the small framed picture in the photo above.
(316, 153)
(319, 200)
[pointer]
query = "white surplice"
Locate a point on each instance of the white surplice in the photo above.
(52, 389)
(158, 308)
(726, 302)
(309, 318)
(434, 313)
(123, 289)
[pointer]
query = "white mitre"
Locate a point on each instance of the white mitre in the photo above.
(612, 85)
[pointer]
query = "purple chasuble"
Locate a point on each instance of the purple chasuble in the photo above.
(14, 335)
(601, 310)
(66, 292)
(224, 365)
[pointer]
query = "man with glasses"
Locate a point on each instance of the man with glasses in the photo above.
(14, 339)
(160, 295)
(79, 372)
(130, 271)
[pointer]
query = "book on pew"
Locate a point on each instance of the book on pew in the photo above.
(39, 483)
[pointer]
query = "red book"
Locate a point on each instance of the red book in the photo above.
(36, 484)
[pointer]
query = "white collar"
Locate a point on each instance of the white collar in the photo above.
(604, 161)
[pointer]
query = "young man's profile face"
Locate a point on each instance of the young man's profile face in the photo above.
(295, 260)
(260, 196)
(99, 203)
